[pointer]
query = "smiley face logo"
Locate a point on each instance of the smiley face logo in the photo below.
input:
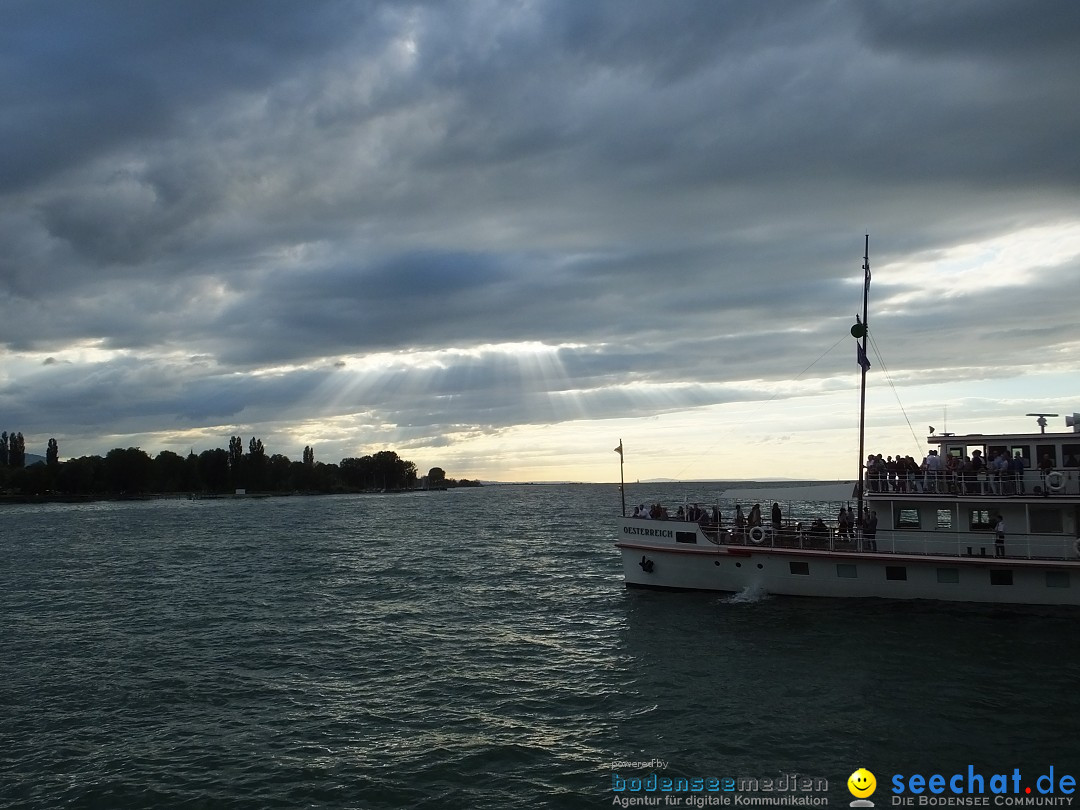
(861, 783)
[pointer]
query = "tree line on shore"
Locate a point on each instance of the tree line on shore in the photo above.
(132, 471)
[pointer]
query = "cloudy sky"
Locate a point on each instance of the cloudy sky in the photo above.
(498, 236)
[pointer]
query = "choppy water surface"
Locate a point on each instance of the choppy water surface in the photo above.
(472, 648)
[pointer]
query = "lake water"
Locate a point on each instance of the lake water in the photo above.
(471, 649)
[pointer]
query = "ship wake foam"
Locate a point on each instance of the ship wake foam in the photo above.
(748, 595)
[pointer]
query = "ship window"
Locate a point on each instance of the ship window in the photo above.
(1046, 520)
(1042, 450)
(907, 519)
(685, 537)
(1070, 455)
(1057, 579)
(944, 519)
(896, 572)
(799, 568)
(846, 570)
(948, 575)
(980, 520)
(1000, 576)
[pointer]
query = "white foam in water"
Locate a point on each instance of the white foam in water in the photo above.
(748, 595)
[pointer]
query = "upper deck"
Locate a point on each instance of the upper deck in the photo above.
(987, 465)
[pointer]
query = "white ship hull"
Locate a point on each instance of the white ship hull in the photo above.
(860, 574)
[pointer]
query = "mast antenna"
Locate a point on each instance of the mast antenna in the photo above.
(859, 332)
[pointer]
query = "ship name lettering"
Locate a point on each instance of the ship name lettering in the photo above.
(647, 532)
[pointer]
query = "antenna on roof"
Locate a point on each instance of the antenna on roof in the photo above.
(1041, 421)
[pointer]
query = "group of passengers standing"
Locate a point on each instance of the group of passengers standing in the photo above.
(953, 475)
(743, 523)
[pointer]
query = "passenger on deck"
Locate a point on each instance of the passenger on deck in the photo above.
(819, 532)
(999, 468)
(978, 471)
(777, 517)
(967, 479)
(1046, 466)
(892, 473)
(1017, 467)
(843, 528)
(870, 532)
(911, 467)
(933, 472)
(952, 474)
(999, 537)
(755, 515)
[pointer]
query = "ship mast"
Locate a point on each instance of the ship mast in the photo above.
(859, 331)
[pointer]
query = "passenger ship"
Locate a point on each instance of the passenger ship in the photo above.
(936, 538)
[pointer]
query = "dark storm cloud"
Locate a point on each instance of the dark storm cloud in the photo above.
(82, 78)
(673, 193)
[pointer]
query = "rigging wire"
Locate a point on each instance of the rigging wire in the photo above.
(892, 385)
(708, 450)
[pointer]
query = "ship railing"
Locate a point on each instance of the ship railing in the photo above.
(971, 544)
(1034, 547)
(1059, 481)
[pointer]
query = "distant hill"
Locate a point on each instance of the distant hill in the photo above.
(33, 458)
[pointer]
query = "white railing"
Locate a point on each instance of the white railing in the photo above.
(1060, 481)
(888, 541)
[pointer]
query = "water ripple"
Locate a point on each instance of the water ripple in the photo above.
(462, 649)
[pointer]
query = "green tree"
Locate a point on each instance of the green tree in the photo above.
(52, 455)
(278, 475)
(16, 450)
(128, 471)
(255, 465)
(215, 469)
(236, 461)
(170, 472)
(82, 476)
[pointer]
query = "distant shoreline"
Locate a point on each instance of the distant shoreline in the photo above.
(198, 496)
(754, 488)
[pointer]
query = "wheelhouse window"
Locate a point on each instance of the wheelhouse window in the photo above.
(1046, 520)
(1044, 450)
(1070, 455)
(979, 520)
(1025, 453)
(907, 519)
